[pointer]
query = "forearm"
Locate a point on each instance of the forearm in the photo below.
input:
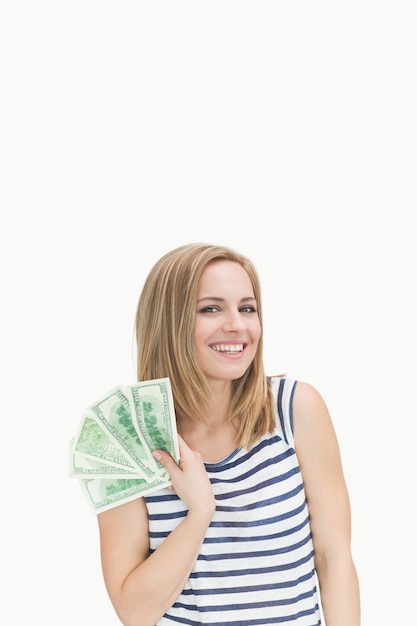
(154, 585)
(339, 592)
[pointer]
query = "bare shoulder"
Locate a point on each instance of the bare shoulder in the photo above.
(313, 427)
(308, 402)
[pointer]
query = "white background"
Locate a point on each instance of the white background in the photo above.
(286, 130)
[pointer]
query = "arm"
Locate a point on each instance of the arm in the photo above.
(318, 453)
(142, 587)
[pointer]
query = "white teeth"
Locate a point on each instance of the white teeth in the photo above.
(229, 349)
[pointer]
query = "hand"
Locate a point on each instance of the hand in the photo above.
(189, 478)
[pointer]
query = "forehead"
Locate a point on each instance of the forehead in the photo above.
(225, 274)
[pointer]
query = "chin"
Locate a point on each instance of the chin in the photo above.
(230, 375)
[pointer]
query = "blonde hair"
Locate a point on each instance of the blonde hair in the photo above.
(165, 321)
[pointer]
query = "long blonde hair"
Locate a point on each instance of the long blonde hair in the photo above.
(165, 321)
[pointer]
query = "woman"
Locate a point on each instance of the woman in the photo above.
(256, 526)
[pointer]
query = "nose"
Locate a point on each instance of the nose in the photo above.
(233, 321)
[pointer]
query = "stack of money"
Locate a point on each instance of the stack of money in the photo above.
(111, 452)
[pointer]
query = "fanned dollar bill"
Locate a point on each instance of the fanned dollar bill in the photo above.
(86, 466)
(106, 493)
(93, 442)
(111, 453)
(114, 413)
(152, 403)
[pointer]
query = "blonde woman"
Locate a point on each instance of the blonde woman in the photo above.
(256, 527)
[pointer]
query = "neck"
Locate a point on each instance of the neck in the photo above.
(216, 438)
(214, 441)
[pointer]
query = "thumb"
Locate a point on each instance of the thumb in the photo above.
(164, 458)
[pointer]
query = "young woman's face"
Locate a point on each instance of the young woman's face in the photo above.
(227, 326)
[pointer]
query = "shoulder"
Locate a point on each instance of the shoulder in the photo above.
(304, 397)
(314, 434)
(307, 399)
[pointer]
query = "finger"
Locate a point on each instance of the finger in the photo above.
(164, 458)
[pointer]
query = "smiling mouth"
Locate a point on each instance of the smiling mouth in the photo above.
(228, 348)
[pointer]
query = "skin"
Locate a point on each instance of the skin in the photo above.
(330, 516)
(143, 587)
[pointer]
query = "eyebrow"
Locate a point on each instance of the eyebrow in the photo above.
(216, 299)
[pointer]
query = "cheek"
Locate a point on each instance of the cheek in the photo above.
(256, 332)
(197, 333)
(201, 333)
(203, 329)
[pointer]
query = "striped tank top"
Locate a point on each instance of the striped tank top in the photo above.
(256, 564)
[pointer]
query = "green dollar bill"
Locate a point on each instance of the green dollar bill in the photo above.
(95, 442)
(114, 412)
(104, 493)
(111, 452)
(82, 467)
(154, 415)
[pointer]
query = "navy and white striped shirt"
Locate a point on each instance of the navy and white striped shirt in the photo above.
(256, 564)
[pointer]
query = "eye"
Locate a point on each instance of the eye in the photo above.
(209, 309)
(248, 309)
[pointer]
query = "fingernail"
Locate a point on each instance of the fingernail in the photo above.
(157, 455)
